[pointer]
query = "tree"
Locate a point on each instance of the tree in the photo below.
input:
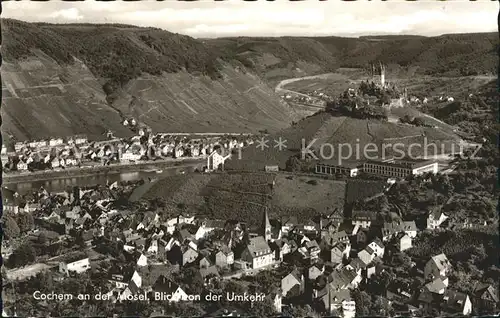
(418, 121)
(42, 238)
(262, 308)
(25, 222)
(293, 164)
(363, 302)
(193, 280)
(185, 310)
(10, 227)
(385, 99)
(381, 307)
(23, 255)
(300, 311)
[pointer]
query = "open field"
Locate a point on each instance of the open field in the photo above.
(338, 81)
(28, 271)
(299, 192)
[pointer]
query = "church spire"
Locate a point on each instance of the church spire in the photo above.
(266, 226)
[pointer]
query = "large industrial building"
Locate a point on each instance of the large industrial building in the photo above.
(396, 168)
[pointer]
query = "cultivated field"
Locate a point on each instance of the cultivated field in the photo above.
(245, 196)
(302, 192)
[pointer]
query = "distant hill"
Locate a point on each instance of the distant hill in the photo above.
(59, 80)
(88, 77)
(452, 55)
(324, 128)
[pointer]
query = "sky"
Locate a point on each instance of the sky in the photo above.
(208, 18)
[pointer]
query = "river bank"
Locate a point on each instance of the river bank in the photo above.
(87, 171)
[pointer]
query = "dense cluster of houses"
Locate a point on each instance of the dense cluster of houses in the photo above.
(57, 153)
(330, 255)
(354, 251)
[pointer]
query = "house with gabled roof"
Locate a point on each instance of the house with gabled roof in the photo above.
(164, 285)
(436, 218)
(208, 274)
(485, 297)
(363, 219)
(366, 255)
(204, 261)
(224, 257)
(427, 300)
(344, 278)
(315, 271)
(331, 239)
(118, 281)
(216, 159)
(153, 247)
(281, 248)
(410, 228)
(378, 247)
(182, 255)
(142, 261)
(390, 230)
(258, 254)
(437, 285)
(288, 224)
(403, 242)
(313, 249)
(437, 266)
(333, 299)
(456, 303)
(339, 252)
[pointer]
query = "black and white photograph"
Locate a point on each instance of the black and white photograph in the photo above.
(250, 158)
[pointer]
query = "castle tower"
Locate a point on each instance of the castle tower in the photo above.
(266, 227)
(382, 75)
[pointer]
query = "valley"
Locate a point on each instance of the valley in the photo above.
(323, 173)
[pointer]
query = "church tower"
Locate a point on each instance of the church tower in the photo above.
(266, 227)
(382, 75)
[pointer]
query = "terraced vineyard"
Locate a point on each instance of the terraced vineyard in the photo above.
(74, 99)
(245, 196)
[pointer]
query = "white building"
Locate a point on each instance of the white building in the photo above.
(436, 218)
(142, 261)
(333, 167)
(457, 302)
(377, 247)
(216, 160)
(71, 161)
(78, 266)
(258, 254)
(55, 163)
(153, 248)
(437, 266)
(80, 140)
(178, 152)
(22, 166)
(56, 142)
(400, 168)
(130, 156)
(18, 146)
